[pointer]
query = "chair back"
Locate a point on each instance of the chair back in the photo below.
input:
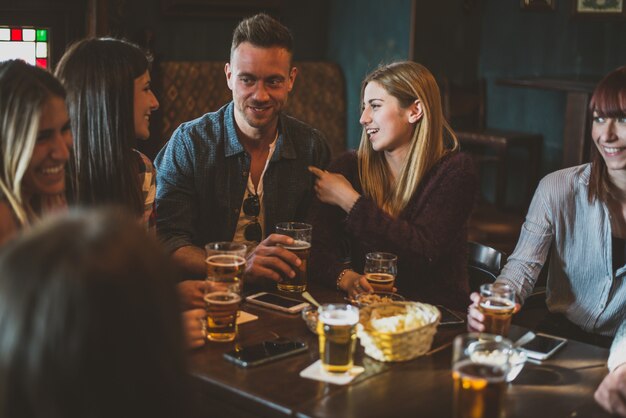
(464, 105)
(484, 264)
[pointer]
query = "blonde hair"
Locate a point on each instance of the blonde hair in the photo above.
(23, 91)
(406, 81)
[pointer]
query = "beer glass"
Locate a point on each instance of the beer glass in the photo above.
(480, 364)
(336, 327)
(226, 264)
(301, 234)
(380, 270)
(497, 303)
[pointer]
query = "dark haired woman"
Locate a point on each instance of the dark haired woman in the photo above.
(578, 219)
(89, 322)
(110, 102)
(35, 143)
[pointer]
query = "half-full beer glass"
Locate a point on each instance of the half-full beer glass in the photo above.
(497, 303)
(226, 264)
(480, 364)
(301, 234)
(336, 327)
(380, 270)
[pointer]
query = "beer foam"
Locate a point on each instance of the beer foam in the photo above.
(494, 357)
(214, 298)
(339, 317)
(379, 277)
(297, 245)
(218, 260)
(497, 304)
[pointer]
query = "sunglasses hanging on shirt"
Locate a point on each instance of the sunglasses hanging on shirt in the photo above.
(252, 207)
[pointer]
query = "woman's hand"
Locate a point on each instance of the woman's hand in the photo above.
(334, 189)
(354, 283)
(475, 318)
(194, 327)
(611, 394)
(191, 294)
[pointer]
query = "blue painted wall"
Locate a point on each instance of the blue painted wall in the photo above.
(521, 43)
(188, 38)
(361, 35)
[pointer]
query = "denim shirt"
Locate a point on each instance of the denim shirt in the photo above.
(577, 235)
(203, 170)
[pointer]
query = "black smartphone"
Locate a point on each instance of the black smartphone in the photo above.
(254, 355)
(278, 302)
(543, 346)
(448, 317)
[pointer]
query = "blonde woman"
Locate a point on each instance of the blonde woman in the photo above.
(407, 191)
(35, 142)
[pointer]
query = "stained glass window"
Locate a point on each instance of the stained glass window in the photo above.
(26, 43)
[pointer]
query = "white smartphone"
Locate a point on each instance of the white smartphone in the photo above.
(278, 302)
(543, 346)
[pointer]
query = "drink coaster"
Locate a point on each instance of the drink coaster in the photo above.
(244, 317)
(316, 372)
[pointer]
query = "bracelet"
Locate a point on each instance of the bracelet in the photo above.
(340, 277)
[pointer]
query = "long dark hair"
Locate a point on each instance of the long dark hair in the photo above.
(609, 101)
(89, 322)
(99, 76)
(24, 89)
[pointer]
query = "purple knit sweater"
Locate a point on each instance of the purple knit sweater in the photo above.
(429, 236)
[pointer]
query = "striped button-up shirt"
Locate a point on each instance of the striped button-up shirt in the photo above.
(576, 235)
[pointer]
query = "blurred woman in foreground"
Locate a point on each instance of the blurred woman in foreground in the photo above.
(89, 322)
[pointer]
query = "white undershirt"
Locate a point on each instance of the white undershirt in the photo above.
(245, 220)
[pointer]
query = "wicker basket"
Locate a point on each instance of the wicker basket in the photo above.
(398, 346)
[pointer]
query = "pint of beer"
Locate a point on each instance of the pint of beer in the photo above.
(226, 264)
(222, 309)
(336, 327)
(380, 270)
(301, 233)
(497, 303)
(479, 382)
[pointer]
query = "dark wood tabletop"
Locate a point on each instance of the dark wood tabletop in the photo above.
(560, 387)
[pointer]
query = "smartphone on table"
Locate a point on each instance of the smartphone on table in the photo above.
(254, 355)
(543, 346)
(448, 317)
(278, 302)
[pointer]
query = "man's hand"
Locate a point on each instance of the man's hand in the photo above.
(611, 394)
(194, 327)
(271, 261)
(334, 189)
(191, 294)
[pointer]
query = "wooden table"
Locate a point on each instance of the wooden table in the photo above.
(560, 387)
(576, 127)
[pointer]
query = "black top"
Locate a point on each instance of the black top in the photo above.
(619, 252)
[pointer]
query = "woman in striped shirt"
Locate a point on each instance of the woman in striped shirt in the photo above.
(578, 219)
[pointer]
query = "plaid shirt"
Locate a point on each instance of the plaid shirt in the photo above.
(203, 170)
